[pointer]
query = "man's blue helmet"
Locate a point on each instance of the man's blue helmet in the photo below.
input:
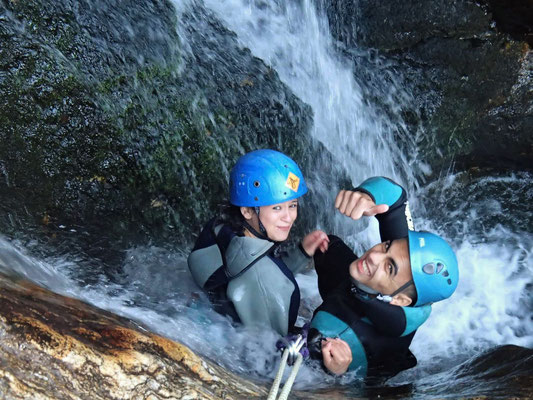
(434, 267)
(265, 177)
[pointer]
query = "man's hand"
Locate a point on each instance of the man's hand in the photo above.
(357, 204)
(315, 240)
(337, 355)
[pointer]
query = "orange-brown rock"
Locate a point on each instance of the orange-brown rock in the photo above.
(53, 347)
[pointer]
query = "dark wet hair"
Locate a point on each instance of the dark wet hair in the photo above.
(231, 215)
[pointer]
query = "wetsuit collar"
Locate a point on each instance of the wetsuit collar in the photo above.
(276, 249)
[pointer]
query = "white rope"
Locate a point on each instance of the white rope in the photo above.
(275, 386)
(290, 380)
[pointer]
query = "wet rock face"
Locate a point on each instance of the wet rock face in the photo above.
(394, 25)
(470, 80)
(483, 99)
(513, 17)
(114, 124)
(54, 347)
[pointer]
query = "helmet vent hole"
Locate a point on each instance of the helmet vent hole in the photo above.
(429, 268)
(257, 183)
(445, 273)
(256, 198)
(440, 266)
(449, 281)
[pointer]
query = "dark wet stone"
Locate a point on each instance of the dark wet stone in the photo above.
(514, 17)
(471, 81)
(506, 370)
(116, 129)
(395, 25)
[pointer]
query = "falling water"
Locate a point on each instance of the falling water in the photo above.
(294, 39)
(492, 305)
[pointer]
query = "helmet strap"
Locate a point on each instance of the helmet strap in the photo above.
(263, 234)
(359, 287)
(254, 232)
(261, 226)
(402, 288)
(387, 298)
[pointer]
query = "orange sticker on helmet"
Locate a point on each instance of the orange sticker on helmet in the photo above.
(292, 182)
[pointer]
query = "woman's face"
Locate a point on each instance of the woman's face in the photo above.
(277, 219)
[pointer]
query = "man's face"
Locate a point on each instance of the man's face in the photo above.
(385, 267)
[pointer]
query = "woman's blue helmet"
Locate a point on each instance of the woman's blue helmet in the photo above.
(265, 177)
(434, 267)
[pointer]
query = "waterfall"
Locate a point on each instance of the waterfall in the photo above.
(492, 305)
(294, 38)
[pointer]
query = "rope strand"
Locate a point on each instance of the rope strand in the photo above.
(275, 386)
(290, 380)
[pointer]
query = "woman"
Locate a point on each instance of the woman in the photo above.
(237, 258)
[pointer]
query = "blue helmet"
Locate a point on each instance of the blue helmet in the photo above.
(434, 267)
(265, 177)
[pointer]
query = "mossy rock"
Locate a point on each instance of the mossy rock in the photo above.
(110, 127)
(469, 81)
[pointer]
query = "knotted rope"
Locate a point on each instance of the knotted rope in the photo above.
(291, 355)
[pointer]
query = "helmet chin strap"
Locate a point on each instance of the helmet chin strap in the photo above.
(254, 232)
(261, 226)
(387, 298)
(261, 235)
(276, 249)
(364, 288)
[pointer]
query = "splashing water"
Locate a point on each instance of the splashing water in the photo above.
(492, 305)
(294, 38)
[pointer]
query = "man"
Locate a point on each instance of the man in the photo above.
(372, 305)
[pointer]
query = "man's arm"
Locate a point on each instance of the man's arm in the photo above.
(382, 198)
(333, 265)
(336, 355)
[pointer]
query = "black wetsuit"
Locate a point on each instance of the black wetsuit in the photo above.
(379, 334)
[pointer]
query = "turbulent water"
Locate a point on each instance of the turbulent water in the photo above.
(487, 220)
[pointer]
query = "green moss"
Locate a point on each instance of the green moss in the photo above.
(105, 140)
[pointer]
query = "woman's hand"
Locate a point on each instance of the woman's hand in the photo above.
(356, 204)
(337, 355)
(315, 240)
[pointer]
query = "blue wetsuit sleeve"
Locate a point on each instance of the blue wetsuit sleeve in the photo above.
(393, 224)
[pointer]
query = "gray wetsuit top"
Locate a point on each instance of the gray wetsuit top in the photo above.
(256, 283)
